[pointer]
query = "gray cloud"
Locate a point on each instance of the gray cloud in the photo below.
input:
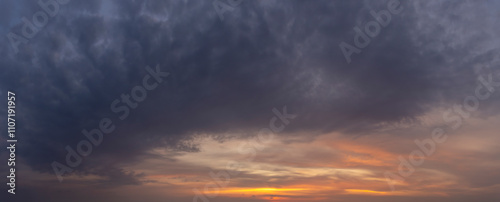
(226, 76)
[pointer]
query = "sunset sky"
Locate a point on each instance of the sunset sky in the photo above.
(252, 101)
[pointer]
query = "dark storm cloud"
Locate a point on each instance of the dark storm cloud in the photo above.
(226, 76)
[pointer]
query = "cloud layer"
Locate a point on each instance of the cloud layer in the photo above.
(226, 76)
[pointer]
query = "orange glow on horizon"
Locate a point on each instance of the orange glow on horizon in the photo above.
(268, 193)
(259, 191)
(364, 191)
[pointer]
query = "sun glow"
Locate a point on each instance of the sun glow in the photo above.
(363, 191)
(260, 191)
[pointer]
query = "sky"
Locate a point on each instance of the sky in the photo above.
(252, 101)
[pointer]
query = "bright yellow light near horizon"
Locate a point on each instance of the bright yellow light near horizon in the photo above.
(270, 193)
(265, 190)
(365, 191)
